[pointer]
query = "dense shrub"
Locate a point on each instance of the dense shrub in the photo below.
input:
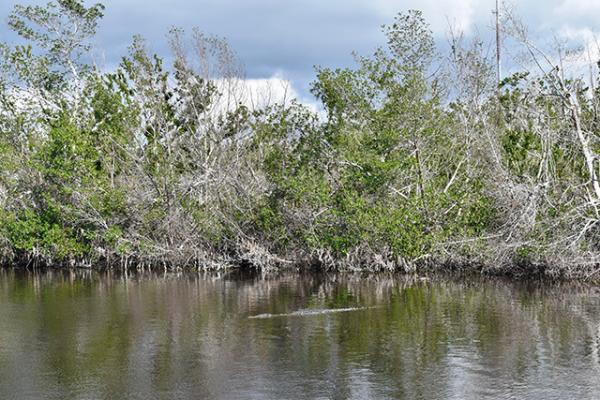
(417, 159)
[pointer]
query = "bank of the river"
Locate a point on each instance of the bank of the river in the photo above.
(517, 271)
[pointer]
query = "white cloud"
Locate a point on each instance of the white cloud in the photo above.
(581, 8)
(258, 93)
(582, 61)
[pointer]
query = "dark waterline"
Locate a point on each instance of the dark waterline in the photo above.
(89, 335)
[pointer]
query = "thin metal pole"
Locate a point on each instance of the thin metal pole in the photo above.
(498, 55)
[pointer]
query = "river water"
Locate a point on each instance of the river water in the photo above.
(87, 335)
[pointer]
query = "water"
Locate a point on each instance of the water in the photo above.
(85, 335)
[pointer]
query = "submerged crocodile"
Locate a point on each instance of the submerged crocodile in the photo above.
(307, 312)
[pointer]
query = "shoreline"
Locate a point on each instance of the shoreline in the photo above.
(512, 272)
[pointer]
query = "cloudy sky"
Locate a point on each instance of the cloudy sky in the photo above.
(286, 38)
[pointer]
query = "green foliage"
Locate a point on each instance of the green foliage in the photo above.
(520, 148)
(159, 163)
(42, 234)
(385, 129)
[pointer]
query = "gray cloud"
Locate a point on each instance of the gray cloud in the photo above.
(289, 37)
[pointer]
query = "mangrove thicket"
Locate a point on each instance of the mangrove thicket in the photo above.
(415, 158)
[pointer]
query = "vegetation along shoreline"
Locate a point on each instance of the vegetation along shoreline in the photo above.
(415, 160)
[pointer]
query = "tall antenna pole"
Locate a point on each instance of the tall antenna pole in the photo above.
(498, 65)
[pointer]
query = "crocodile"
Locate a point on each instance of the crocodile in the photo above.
(308, 312)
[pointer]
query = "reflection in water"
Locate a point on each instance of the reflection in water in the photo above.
(85, 335)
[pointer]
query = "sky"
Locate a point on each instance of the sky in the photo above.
(285, 39)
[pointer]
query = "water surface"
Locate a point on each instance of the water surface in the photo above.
(86, 335)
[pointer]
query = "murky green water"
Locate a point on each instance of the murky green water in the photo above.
(107, 336)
